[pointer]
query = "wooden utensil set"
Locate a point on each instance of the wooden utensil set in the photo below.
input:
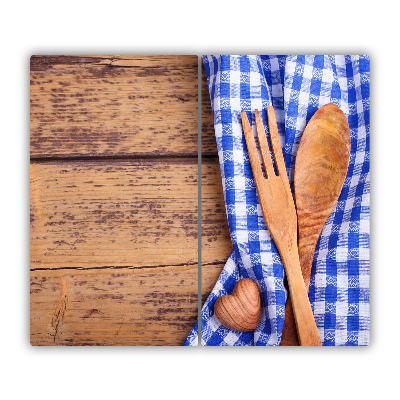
(320, 170)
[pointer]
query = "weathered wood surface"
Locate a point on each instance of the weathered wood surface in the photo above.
(151, 306)
(113, 240)
(113, 106)
(113, 214)
(208, 144)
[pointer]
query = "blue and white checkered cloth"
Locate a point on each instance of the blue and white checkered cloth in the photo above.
(296, 86)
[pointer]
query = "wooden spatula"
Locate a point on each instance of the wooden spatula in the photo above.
(320, 170)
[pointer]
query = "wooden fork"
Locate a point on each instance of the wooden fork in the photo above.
(279, 213)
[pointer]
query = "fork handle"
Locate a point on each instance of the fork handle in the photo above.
(306, 327)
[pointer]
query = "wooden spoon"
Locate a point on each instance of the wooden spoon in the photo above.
(320, 170)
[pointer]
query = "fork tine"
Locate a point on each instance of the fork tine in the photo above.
(275, 142)
(264, 147)
(252, 149)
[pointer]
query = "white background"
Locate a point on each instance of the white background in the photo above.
(203, 27)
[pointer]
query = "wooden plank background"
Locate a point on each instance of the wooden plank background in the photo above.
(113, 106)
(114, 229)
(114, 200)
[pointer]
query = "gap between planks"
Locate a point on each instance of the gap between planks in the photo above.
(134, 158)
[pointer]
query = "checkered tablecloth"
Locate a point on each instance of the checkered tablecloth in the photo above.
(296, 86)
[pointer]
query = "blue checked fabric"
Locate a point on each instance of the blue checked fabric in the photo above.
(296, 86)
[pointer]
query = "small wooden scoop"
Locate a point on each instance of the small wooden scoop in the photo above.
(320, 170)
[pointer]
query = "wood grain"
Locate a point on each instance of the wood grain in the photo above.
(149, 306)
(113, 199)
(126, 213)
(113, 106)
(103, 217)
(208, 144)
